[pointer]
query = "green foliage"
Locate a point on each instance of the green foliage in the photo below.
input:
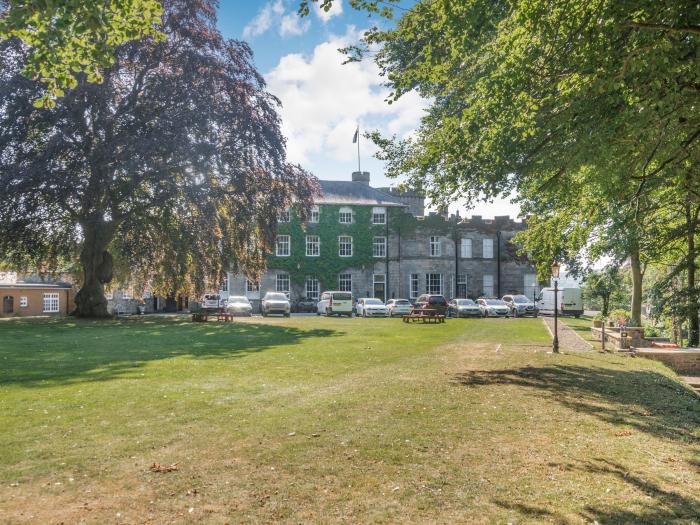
(329, 264)
(70, 37)
(605, 286)
(619, 315)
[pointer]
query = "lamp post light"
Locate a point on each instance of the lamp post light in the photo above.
(555, 276)
(534, 300)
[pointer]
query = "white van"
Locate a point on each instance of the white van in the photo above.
(569, 301)
(335, 303)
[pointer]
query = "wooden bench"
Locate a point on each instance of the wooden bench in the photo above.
(424, 315)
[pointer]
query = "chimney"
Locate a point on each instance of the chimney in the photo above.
(361, 177)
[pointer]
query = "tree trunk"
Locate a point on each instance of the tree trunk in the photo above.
(97, 266)
(693, 324)
(636, 313)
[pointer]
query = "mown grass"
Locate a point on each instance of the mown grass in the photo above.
(323, 420)
(582, 326)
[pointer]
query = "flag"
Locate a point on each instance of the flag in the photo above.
(357, 135)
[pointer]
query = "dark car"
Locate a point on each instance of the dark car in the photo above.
(306, 305)
(434, 302)
(463, 308)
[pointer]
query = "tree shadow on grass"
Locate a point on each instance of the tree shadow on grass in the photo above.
(644, 400)
(46, 353)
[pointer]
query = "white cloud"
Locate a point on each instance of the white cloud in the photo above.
(335, 10)
(323, 100)
(264, 19)
(293, 25)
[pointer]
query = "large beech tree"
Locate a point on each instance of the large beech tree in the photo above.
(175, 162)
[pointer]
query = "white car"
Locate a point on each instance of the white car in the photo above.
(398, 307)
(463, 308)
(211, 301)
(493, 308)
(335, 303)
(239, 305)
(371, 307)
(275, 303)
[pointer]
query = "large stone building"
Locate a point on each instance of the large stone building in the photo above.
(377, 242)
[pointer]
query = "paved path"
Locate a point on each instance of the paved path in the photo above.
(569, 340)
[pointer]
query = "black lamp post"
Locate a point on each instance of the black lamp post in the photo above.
(555, 276)
(534, 300)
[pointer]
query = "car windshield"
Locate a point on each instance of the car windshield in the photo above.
(211, 297)
(342, 297)
(276, 297)
(402, 302)
(520, 299)
(494, 302)
(373, 301)
(437, 299)
(465, 302)
(237, 299)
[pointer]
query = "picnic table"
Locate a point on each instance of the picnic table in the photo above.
(424, 315)
(221, 315)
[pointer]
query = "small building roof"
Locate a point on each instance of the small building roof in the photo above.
(36, 286)
(349, 192)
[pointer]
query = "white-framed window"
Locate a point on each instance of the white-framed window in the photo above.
(313, 246)
(345, 246)
(109, 295)
(413, 286)
(51, 303)
(379, 286)
(224, 283)
(379, 247)
(23, 301)
(488, 285)
(312, 288)
(465, 248)
(435, 250)
(345, 216)
(345, 282)
(284, 216)
(378, 215)
(282, 282)
(283, 246)
(488, 249)
(126, 294)
(314, 214)
(461, 290)
(251, 286)
(433, 283)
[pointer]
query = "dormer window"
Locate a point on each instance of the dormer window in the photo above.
(345, 216)
(314, 214)
(378, 215)
(283, 216)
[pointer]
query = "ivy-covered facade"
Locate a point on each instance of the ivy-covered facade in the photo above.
(371, 243)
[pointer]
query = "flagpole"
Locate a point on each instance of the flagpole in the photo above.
(358, 149)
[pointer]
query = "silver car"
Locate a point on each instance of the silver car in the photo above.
(239, 305)
(371, 307)
(520, 305)
(399, 307)
(275, 303)
(493, 308)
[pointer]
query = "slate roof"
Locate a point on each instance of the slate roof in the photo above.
(349, 192)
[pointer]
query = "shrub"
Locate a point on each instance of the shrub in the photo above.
(651, 331)
(620, 316)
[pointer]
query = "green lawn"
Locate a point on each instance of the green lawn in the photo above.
(321, 420)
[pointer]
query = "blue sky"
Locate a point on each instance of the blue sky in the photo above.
(323, 100)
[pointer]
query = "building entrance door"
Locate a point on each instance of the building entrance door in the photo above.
(380, 287)
(8, 304)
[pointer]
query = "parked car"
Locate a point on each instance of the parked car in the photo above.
(305, 305)
(275, 303)
(569, 301)
(212, 301)
(463, 308)
(239, 305)
(371, 307)
(335, 303)
(493, 307)
(434, 302)
(520, 305)
(398, 307)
